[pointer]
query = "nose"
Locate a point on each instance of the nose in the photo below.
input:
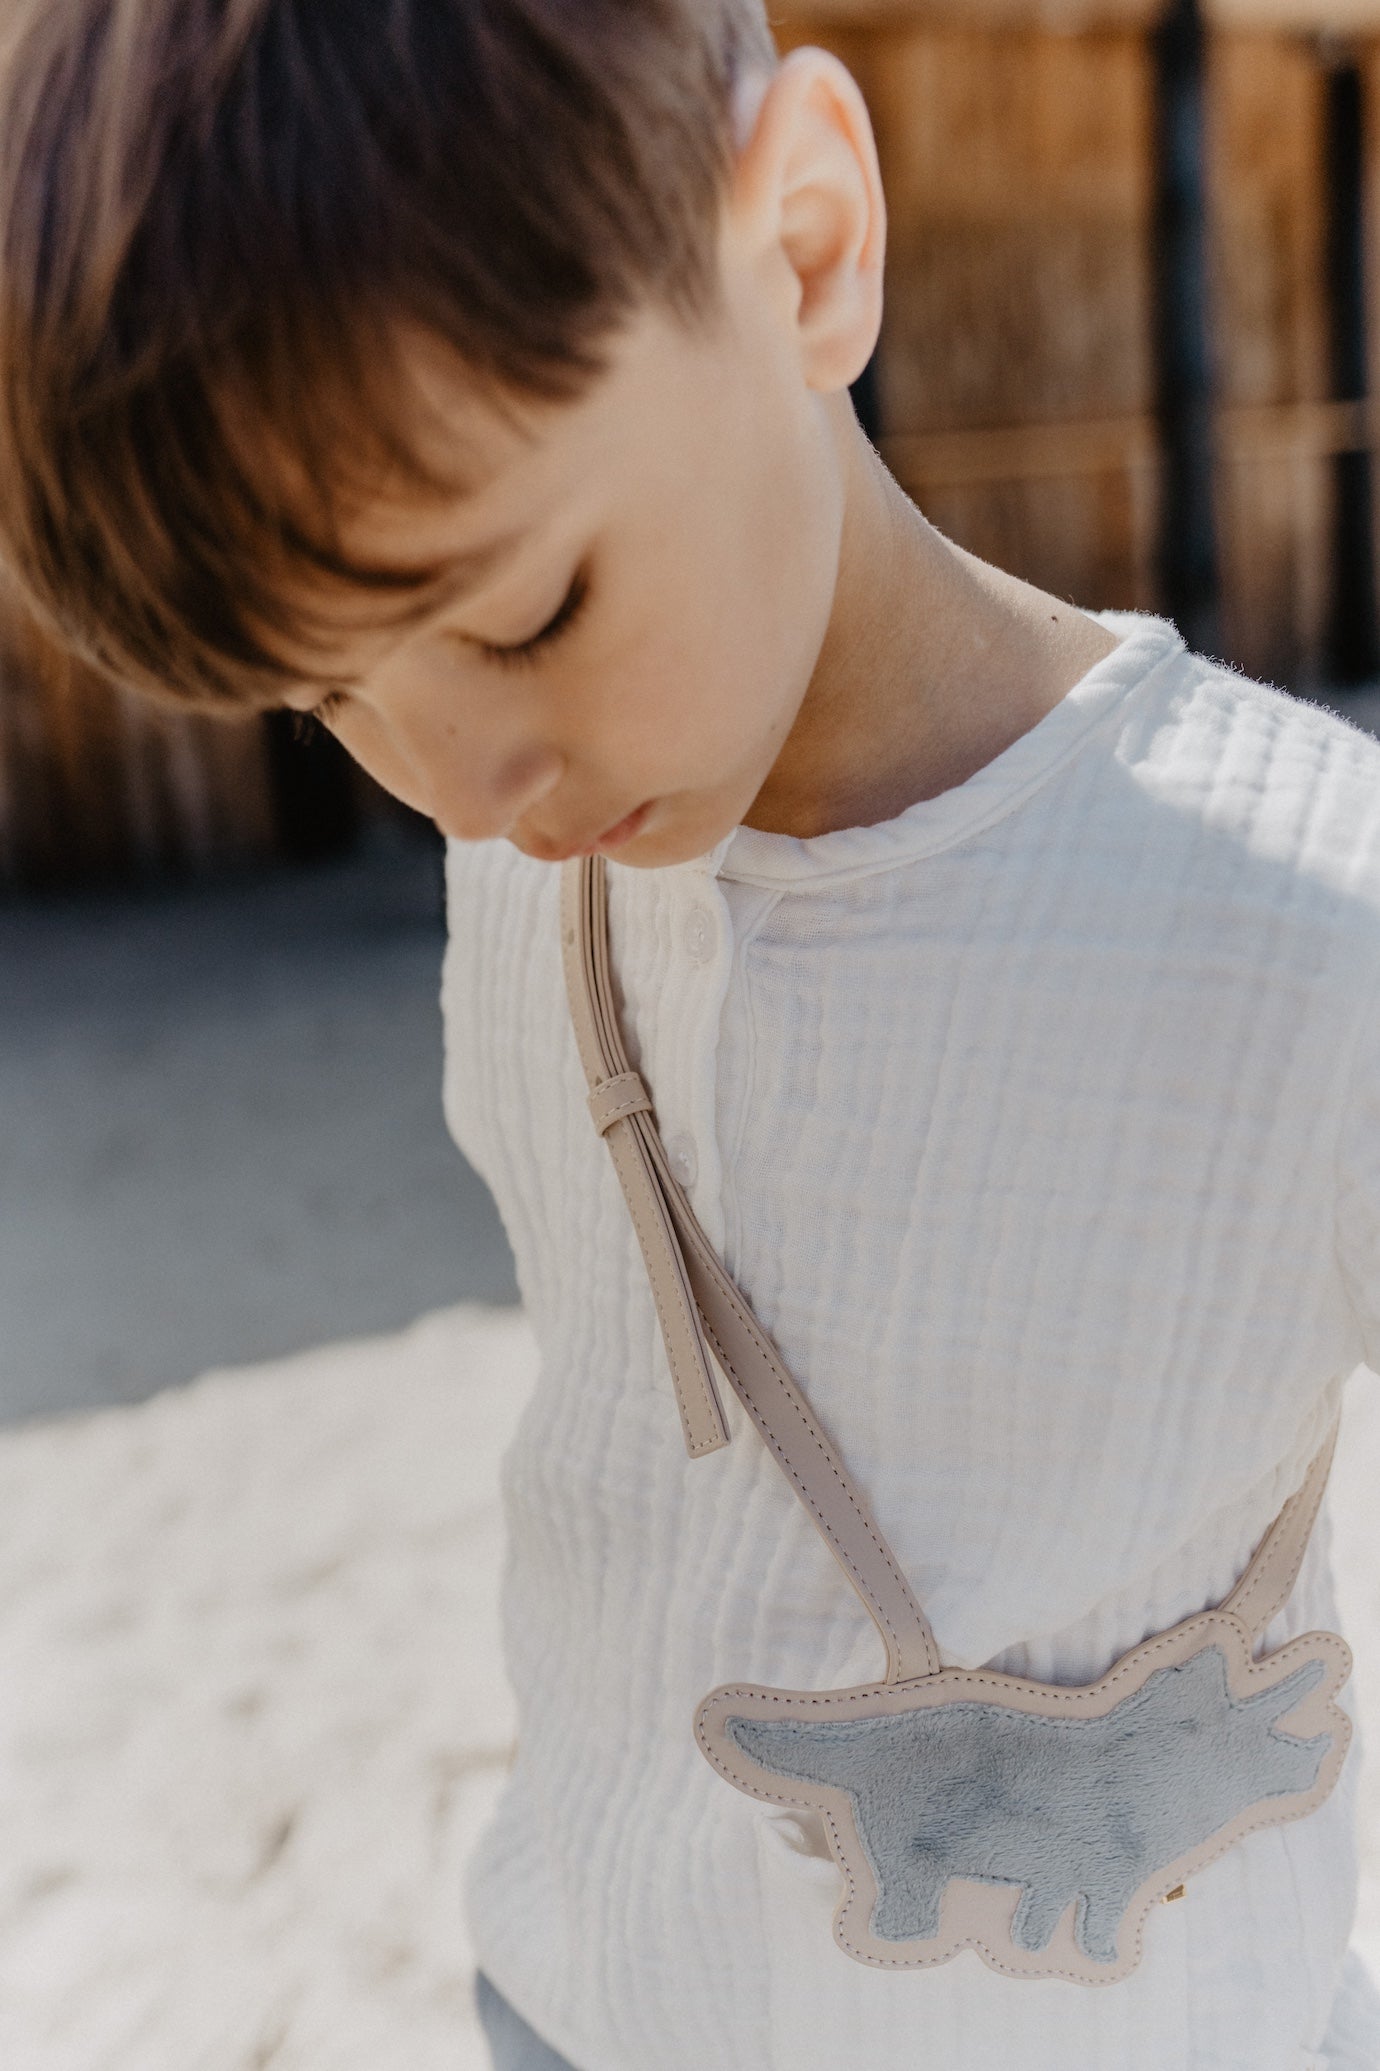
(479, 801)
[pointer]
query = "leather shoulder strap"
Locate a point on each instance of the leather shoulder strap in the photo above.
(679, 1257)
(707, 1322)
(1269, 1580)
(616, 1096)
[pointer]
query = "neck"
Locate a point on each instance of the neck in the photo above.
(932, 664)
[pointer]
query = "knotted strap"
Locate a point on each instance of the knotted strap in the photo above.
(708, 1324)
(622, 1112)
(705, 1319)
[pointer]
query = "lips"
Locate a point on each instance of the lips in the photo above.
(614, 837)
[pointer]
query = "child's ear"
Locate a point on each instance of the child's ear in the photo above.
(807, 198)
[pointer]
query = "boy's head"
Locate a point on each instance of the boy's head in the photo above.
(344, 343)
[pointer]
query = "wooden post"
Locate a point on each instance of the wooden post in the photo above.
(1187, 553)
(1352, 637)
(314, 787)
(99, 785)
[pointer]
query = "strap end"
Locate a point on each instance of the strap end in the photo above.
(702, 1420)
(694, 1376)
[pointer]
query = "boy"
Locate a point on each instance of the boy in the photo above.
(475, 373)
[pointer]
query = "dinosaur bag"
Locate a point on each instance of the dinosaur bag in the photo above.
(1035, 1823)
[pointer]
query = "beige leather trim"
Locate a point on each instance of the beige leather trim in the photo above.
(1268, 1582)
(615, 1098)
(978, 1915)
(584, 952)
(685, 1272)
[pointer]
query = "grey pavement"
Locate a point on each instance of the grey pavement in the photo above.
(221, 1135)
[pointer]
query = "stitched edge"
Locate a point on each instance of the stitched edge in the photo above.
(1325, 1643)
(841, 1552)
(1252, 1579)
(643, 1156)
(579, 984)
(713, 1409)
(632, 1104)
(1136, 1914)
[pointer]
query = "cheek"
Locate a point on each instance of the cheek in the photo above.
(749, 591)
(732, 662)
(706, 697)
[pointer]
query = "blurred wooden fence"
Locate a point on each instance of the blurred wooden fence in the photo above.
(97, 783)
(100, 785)
(1019, 376)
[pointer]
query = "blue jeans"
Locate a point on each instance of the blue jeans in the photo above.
(512, 2044)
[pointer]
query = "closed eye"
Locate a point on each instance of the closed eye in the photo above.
(528, 650)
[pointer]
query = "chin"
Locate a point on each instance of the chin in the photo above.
(664, 849)
(658, 847)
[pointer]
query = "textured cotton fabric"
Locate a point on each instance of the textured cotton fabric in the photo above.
(1041, 1126)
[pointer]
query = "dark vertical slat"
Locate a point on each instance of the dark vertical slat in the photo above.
(316, 807)
(1187, 561)
(1352, 640)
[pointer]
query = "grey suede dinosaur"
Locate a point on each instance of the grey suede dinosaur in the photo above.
(1067, 1808)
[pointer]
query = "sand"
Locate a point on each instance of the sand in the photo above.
(252, 1711)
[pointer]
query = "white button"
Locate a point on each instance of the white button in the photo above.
(680, 1156)
(699, 934)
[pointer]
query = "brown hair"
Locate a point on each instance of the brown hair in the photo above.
(219, 219)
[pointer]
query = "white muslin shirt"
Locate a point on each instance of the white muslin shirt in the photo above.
(1041, 1126)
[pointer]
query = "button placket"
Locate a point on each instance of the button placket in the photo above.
(682, 1159)
(699, 934)
(701, 939)
(697, 939)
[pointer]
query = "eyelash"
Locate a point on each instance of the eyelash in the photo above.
(522, 656)
(527, 653)
(305, 723)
